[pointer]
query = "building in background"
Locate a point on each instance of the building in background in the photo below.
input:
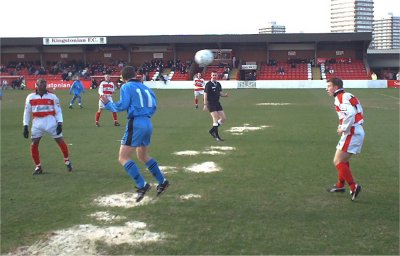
(272, 28)
(352, 15)
(386, 34)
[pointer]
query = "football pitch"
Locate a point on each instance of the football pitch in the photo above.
(261, 191)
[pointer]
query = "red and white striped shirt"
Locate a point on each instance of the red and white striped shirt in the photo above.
(198, 84)
(42, 106)
(106, 88)
(349, 110)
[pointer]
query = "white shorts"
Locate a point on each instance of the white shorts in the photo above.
(352, 142)
(101, 104)
(42, 125)
(197, 93)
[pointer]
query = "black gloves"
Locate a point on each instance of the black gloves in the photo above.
(26, 131)
(59, 128)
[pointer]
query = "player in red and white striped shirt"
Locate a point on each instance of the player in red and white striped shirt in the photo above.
(45, 109)
(351, 119)
(198, 88)
(107, 88)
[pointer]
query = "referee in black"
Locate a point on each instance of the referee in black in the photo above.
(212, 93)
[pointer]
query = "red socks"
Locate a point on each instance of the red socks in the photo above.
(344, 174)
(36, 156)
(35, 153)
(115, 116)
(64, 148)
(98, 116)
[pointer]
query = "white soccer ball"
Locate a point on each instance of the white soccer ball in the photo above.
(204, 57)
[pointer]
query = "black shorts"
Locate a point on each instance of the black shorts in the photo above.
(215, 106)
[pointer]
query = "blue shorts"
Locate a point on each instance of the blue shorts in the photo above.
(138, 132)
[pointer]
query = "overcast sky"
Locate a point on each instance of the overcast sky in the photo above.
(54, 18)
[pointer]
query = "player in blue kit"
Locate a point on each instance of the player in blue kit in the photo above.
(78, 88)
(140, 103)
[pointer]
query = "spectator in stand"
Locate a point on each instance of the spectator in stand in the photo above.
(84, 73)
(273, 62)
(328, 69)
(226, 73)
(374, 76)
(77, 88)
(312, 62)
(64, 75)
(165, 78)
(398, 76)
(144, 77)
(388, 75)
(183, 69)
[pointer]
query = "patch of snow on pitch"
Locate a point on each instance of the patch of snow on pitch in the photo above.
(224, 148)
(213, 152)
(126, 200)
(106, 217)
(189, 196)
(168, 169)
(81, 239)
(273, 104)
(241, 129)
(203, 167)
(164, 167)
(187, 153)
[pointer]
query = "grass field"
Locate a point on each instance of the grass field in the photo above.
(268, 198)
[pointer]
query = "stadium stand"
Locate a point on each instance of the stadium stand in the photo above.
(177, 76)
(355, 70)
(301, 71)
(206, 74)
(348, 71)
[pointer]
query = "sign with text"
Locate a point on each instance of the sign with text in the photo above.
(249, 67)
(247, 84)
(158, 55)
(74, 40)
(393, 83)
(56, 84)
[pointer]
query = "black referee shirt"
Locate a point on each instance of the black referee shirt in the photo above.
(213, 90)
